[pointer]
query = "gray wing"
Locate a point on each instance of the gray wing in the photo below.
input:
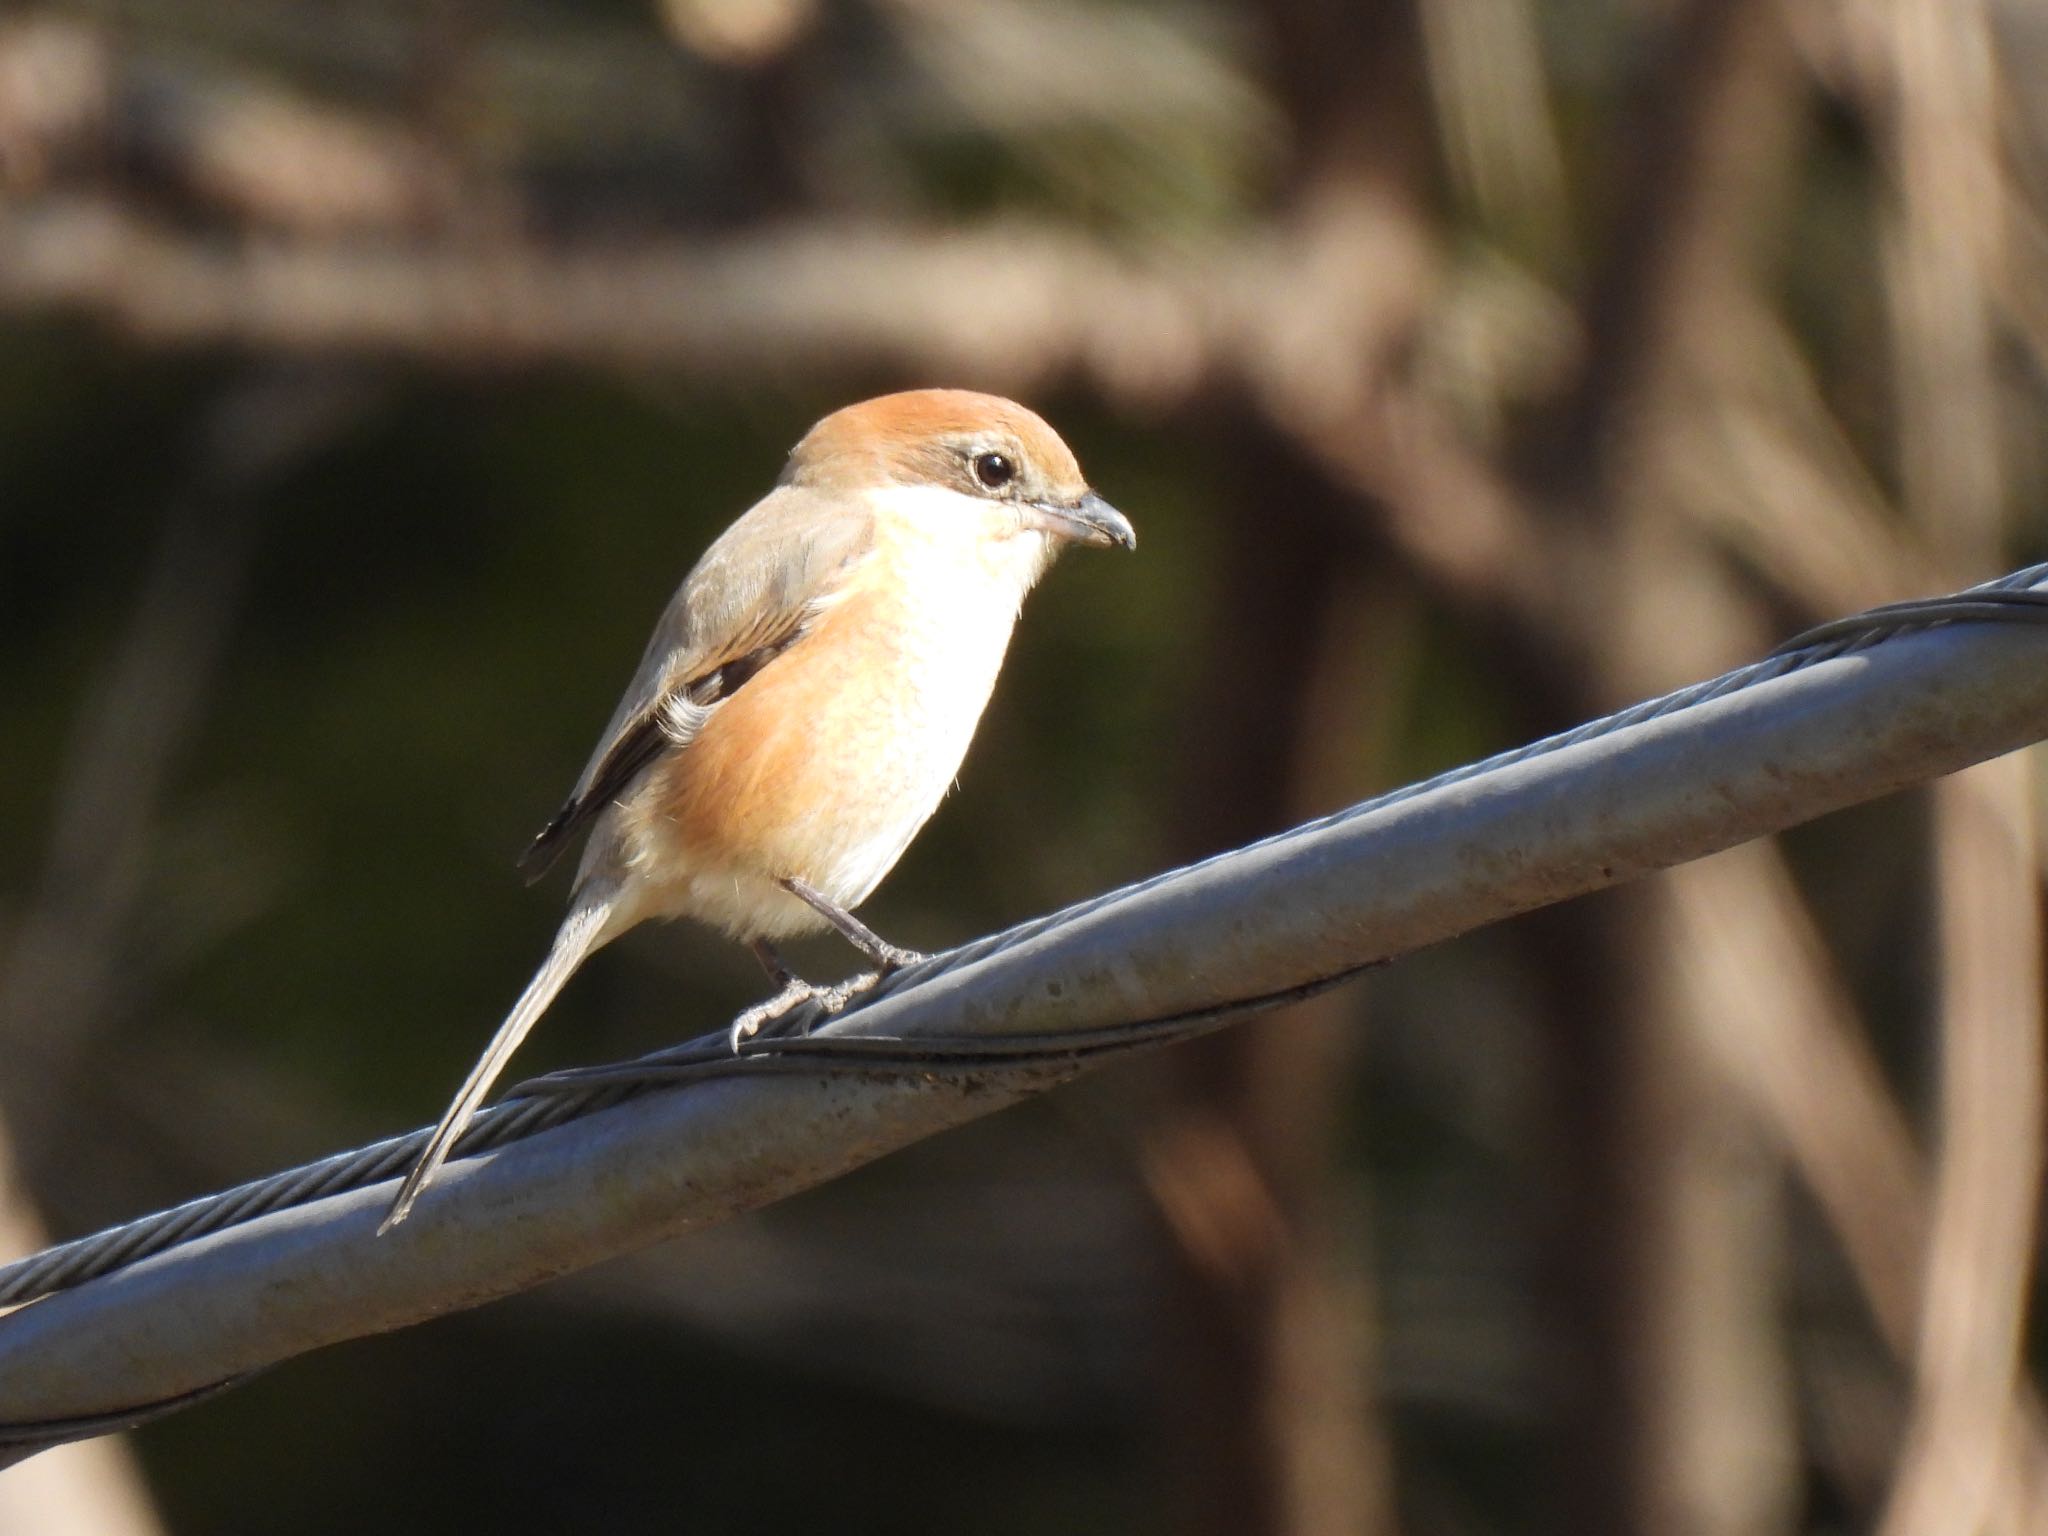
(752, 596)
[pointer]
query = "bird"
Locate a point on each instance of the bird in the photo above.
(807, 698)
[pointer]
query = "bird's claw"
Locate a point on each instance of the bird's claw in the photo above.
(787, 1013)
(794, 994)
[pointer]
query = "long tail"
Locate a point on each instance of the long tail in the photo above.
(582, 931)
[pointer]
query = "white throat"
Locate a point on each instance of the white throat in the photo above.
(960, 534)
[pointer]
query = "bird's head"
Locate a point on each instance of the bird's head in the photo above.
(980, 454)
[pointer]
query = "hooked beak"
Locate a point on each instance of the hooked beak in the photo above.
(1091, 520)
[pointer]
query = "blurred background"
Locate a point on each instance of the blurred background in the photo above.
(369, 374)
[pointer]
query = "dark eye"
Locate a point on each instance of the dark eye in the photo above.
(994, 470)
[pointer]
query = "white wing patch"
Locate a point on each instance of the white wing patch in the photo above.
(680, 718)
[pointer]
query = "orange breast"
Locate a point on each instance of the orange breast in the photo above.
(785, 762)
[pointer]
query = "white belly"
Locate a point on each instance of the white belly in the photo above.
(940, 685)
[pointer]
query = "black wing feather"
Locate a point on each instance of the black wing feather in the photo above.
(640, 745)
(645, 740)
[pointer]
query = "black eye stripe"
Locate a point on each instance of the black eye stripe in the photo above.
(994, 470)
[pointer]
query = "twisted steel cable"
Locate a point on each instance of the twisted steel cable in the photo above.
(543, 1103)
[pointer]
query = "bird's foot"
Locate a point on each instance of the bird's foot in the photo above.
(794, 994)
(784, 1011)
(891, 958)
(839, 994)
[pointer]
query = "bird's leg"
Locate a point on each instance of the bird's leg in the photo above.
(888, 957)
(772, 963)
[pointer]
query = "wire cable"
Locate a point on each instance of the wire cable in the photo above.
(543, 1103)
